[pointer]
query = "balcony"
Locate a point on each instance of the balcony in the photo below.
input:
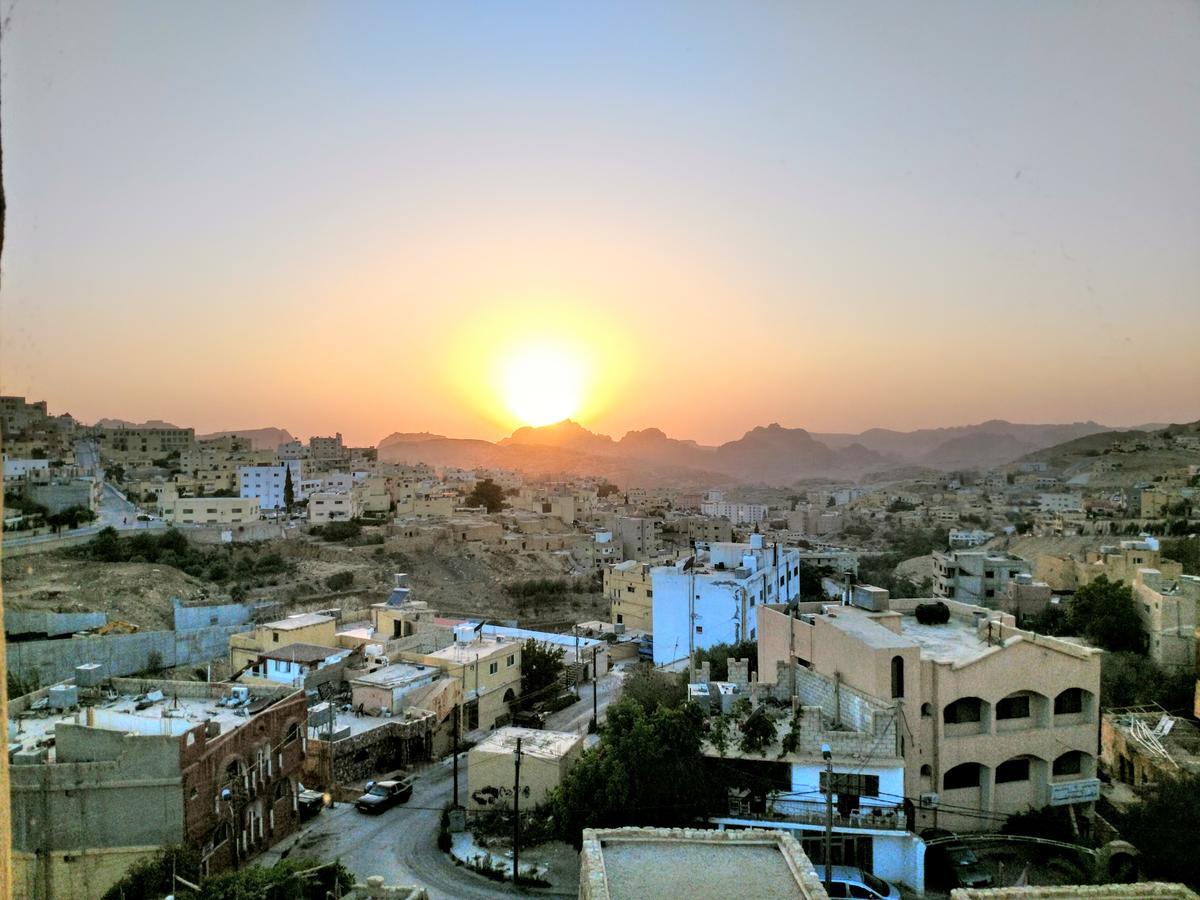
(800, 813)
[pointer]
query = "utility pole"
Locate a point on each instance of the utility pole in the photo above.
(456, 717)
(517, 816)
(828, 754)
(576, 666)
(332, 716)
(595, 688)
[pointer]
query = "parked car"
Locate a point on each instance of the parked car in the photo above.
(310, 803)
(851, 881)
(949, 863)
(383, 795)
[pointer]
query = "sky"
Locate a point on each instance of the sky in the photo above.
(696, 216)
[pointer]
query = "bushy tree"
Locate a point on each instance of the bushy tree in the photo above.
(718, 656)
(487, 494)
(1163, 827)
(1131, 679)
(541, 666)
(650, 688)
(1104, 613)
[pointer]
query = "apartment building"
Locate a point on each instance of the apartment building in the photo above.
(994, 720)
(17, 415)
(332, 506)
(630, 591)
(98, 787)
(969, 538)
(268, 483)
(1060, 502)
(700, 529)
(327, 448)
(640, 538)
(975, 576)
(1153, 502)
(142, 444)
(712, 597)
(176, 510)
(1166, 605)
(302, 628)
(737, 513)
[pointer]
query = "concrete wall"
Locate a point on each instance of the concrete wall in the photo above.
(355, 759)
(192, 618)
(80, 874)
(119, 654)
(51, 624)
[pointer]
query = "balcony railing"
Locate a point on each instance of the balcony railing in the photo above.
(870, 817)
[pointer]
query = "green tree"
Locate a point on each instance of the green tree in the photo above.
(289, 490)
(340, 581)
(487, 494)
(718, 656)
(650, 688)
(541, 667)
(1131, 679)
(1185, 551)
(1104, 613)
(1163, 827)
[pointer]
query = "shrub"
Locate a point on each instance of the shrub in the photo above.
(340, 581)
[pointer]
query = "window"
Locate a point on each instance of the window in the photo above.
(1068, 702)
(964, 776)
(1012, 770)
(620, 619)
(965, 709)
(493, 668)
(853, 784)
(1015, 707)
(926, 710)
(1070, 763)
(275, 636)
(897, 676)
(511, 661)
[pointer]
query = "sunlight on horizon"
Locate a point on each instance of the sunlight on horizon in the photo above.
(542, 385)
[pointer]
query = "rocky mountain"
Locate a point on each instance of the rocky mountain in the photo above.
(410, 437)
(260, 438)
(124, 423)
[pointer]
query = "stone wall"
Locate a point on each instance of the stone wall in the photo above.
(193, 618)
(394, 744)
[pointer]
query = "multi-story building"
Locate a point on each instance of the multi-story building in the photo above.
(640, 538)
(962, 538)
(975, 576)
(713, 597)
(1152, 502)
(99, 787)
(630, 591)
(17, 415)
(176, 510)
(1060, 502)
(143, 444)
(1167, 607)
(303, 628)
(995, 720)
(327, 448)
(268, 483)
(332, 506)
(291, 450)
(737, 513)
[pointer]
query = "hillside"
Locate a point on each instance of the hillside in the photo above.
(260, 438)
(1134, 455)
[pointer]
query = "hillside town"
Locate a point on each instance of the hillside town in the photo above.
(228, 650)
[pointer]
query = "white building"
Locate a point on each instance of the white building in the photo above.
(290, 664)
(15, 469)
(974, 538)
(1060, 502)
(266, 483)
(737, 513)
(720, 590)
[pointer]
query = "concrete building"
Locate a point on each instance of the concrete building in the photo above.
(996, 720)
(1025, 597)
(387, 690)
(327, 448)
(629, 588)
(669, 863)
(737, 513)
(294, 663)
(17, 469)
(713, 597)
(1145, 744)
(1167, 608)
(302, 628)
(975, 576)
(640, 538)
(17, 415)
(176, 510)
(267, 483)
(100, 787)
(143, 444)
(961, 538)
(332, 506)
(546, 756)
(1060, 502)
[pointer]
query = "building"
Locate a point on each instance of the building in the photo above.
(176, 510)
(996, 720)
(737, 513)
(1025, 597)
(546, 756)
(332, 506)
(268, 483)
(17, 469)
(668, 863)
(107, 783)
(294, 664)
(17, 415)
(327, 448)
(629, 588)
(960, 538)
(713, 597)
(1167, 608)
(489, 670)
(1141, 745)
(1060, 502)
(975, 576)
(302, 628)
(640, 538)
(143, 444)
(1153, 502)
(387, 690)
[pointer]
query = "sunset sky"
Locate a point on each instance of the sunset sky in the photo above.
(698, 216)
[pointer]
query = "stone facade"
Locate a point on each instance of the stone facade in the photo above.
(393, 745)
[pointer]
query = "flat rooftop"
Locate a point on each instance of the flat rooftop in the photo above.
(662, 864)
(304, 653)
(300, 620)
(954, 640)
(398, 674)
(534, 742)
(466, 653)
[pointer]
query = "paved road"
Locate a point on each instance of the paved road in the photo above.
(578, 715)
(401, 843)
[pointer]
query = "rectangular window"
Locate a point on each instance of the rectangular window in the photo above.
(1013, 708)
(493, 668)
(511, 661)
(852, 784)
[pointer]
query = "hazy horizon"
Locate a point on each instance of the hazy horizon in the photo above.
(700, 218)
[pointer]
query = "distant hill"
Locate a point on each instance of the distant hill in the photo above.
(260, 438)
(123, 423)
(401, 437)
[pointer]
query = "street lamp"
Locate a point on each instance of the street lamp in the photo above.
(827, 755)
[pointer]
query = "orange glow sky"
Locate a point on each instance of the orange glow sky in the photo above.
(830, 216)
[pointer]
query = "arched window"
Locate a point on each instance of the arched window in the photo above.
(293, 732)
(897, 676)
(967, 775)
(926, 710)
(1070, 763)
(1068, 702)
(927, 771)
(1015, 769)
(964, 709)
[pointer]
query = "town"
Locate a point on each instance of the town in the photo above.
(244, 655)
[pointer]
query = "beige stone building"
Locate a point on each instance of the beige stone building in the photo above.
(629, 588)
(996, 720)
(975, 576)
(303, 628)
(546, 756)
(143, 444)
(1167, 608)
(489, 670)
(332, 506)
(176, 510)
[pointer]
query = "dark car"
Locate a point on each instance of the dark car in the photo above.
(310, 803)
(949, 863)
(382, 795)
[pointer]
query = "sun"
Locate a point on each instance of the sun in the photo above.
(541, 385)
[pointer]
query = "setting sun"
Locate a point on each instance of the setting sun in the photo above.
(542, 385)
